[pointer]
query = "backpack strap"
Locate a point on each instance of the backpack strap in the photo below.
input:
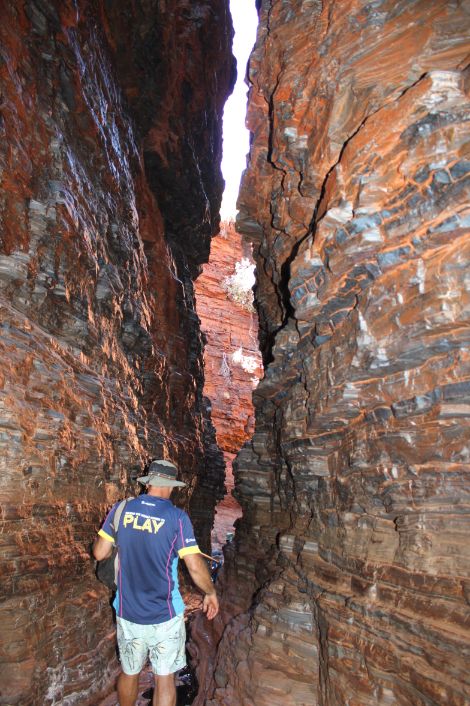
(117, 518)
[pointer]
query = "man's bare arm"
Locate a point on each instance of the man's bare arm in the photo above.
(199, 573)
(102, 548)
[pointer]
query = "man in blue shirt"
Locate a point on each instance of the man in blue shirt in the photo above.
(153, 535)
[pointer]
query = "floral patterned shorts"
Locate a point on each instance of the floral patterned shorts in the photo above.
(163, 643)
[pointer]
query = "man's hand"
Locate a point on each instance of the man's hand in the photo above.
(210, 605)
(199, 573)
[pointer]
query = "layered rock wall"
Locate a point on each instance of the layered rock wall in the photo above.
(351, 580)
(110, 122)
(230, 325)
(232, 360)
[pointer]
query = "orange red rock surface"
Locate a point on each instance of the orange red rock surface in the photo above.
(348, 581)
(351, 575)
(232, 359)
(100, 348)
(231, 353)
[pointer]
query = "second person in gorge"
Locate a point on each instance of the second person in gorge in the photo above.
(153, 535)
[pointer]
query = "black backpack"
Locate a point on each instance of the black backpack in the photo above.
(106, 569)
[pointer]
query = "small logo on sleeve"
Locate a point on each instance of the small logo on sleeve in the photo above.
(189, 539)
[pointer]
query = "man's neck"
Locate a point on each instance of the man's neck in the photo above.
(159, 492)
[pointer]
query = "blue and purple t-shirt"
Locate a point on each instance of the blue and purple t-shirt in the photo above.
(153, 534)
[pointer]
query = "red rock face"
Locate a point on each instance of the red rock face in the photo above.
(100, 350)
(232, 360)
(231, 357)
(355, 486)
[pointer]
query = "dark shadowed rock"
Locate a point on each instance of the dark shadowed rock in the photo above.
(100, 349)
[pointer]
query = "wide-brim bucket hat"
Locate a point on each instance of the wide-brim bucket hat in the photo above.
(162, 474)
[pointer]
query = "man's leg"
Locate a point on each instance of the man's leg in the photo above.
(133, 651)
(167, 655)
(128, 688)
(165, 691)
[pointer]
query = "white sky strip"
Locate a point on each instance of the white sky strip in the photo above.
(235, 135)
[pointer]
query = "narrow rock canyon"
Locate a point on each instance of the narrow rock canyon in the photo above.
(348, 579)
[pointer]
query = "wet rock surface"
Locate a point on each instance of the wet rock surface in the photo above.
(100, 348)
(349, 578)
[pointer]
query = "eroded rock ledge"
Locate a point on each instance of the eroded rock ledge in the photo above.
(110, 149)
(350, 582)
